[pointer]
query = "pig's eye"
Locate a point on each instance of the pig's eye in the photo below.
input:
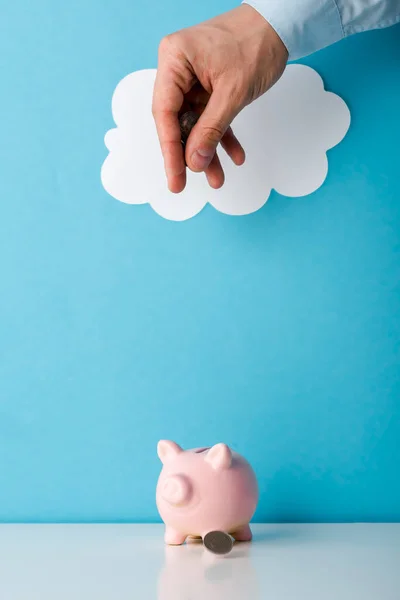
(200, 450)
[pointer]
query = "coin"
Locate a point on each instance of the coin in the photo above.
(186, 123)
(218, 542)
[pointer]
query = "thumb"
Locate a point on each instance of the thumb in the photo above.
(210, 129)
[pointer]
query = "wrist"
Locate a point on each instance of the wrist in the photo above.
(304, 26)
(266, 53)
(259, 26)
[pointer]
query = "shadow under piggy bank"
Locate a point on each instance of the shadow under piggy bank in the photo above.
(190, 571)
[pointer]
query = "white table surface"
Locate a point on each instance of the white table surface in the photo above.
(130, 562)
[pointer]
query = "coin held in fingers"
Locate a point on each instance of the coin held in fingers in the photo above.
(186, 123)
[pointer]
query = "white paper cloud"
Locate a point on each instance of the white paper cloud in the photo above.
(286, 134)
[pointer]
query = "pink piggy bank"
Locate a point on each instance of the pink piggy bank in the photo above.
(205, 490)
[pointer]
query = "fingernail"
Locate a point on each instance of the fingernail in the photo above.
(201, 158)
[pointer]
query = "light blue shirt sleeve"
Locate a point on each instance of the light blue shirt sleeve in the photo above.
(306, 26)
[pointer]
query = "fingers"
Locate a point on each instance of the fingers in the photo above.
(167, 97)
(215, 174)
(175, 87)
(233, 148)
(196, 99)
(169, 89)
(210, 129)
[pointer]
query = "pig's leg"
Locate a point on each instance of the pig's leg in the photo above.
(243, 534)
(174, 538)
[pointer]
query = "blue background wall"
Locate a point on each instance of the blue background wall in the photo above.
(278, 333)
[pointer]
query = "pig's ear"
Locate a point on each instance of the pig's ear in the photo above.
(219, 457)
(167, 450)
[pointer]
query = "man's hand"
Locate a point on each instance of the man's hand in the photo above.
(214, 69)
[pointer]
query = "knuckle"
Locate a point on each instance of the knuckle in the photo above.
(213, 133)
(169, 43)
(155, 110)
(164, 44)
(167, 147)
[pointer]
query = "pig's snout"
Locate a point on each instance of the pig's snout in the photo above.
(177, 490)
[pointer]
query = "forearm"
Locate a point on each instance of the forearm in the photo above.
(306, 26)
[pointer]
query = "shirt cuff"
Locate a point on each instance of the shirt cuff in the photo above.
(304, 26)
